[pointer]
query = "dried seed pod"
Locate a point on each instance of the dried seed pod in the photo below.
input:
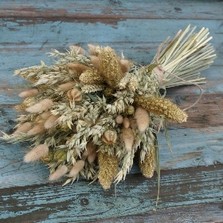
(133, 123)
(148, 165)
(91, 157)
(76, 68)
(66, 86)
(37, 129)
(91, 76)
(77, 167)
(127, 137)
(74, 95)
(90, 148)
(119, 119)
(161, 106)
(126, 123)
(108, 168)
(142, 119)
(130, 110)
(51, 121)
(23, 128)
(110, 67)
(90, 152)
(41, 106)
(109, 137)
(125, 65)
(29, 93)
(45, 115)
(36, 153)
(58, 173)
(95, 61)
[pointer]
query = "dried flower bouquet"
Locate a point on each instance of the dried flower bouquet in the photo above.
(89, 113)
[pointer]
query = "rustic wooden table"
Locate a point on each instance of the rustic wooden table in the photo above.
(191, 176)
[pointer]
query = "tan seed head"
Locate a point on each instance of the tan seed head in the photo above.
(142, 119)
(58, 173)
(66, 86)
(51, 121)
(36, 153)
(29, 93)
(74, 95)
(109, 137)
(77, 167)
(41, 106)
(127, 137)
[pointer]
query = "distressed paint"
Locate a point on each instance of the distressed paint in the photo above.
(29, 30)
(82, 203)
(108, 9)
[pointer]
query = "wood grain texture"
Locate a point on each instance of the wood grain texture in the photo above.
(30, 29)
(78, 203)
(111, 9)
(207, 213)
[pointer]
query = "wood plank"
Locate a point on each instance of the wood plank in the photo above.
(208, 213)
(82, 203)
(138, 38)
(111, 10)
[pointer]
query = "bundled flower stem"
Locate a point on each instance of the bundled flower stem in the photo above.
(89, 113)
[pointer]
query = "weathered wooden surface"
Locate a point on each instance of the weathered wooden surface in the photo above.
(29, 29)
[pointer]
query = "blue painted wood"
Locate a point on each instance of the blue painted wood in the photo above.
(29, 29)
(116, 9)
(81, 203)
(138, 38)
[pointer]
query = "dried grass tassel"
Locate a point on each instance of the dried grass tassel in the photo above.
(148, 165)
(36, 153)
(161, 106)
(58, 173)
(108, 168)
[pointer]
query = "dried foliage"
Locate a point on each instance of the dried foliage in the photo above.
(88, 113)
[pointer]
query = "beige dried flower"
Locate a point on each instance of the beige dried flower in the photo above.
(29, 93)
(41, 106)
(110, 67)
(51, 121)
(119, 119)
(74, 95)
(36, 129)
(91, 76)
(109, 137)
(117, 110)
(36, 153)
(76, 68)
(127, 137)
(161, 106)
(90, 152)
(126, 123)
(142, 119)
(148, 165)
(58, 173)
(91, 157)
(66, 86)
(108, 168)
(23, 128)
(77, 167)
(45, 115)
